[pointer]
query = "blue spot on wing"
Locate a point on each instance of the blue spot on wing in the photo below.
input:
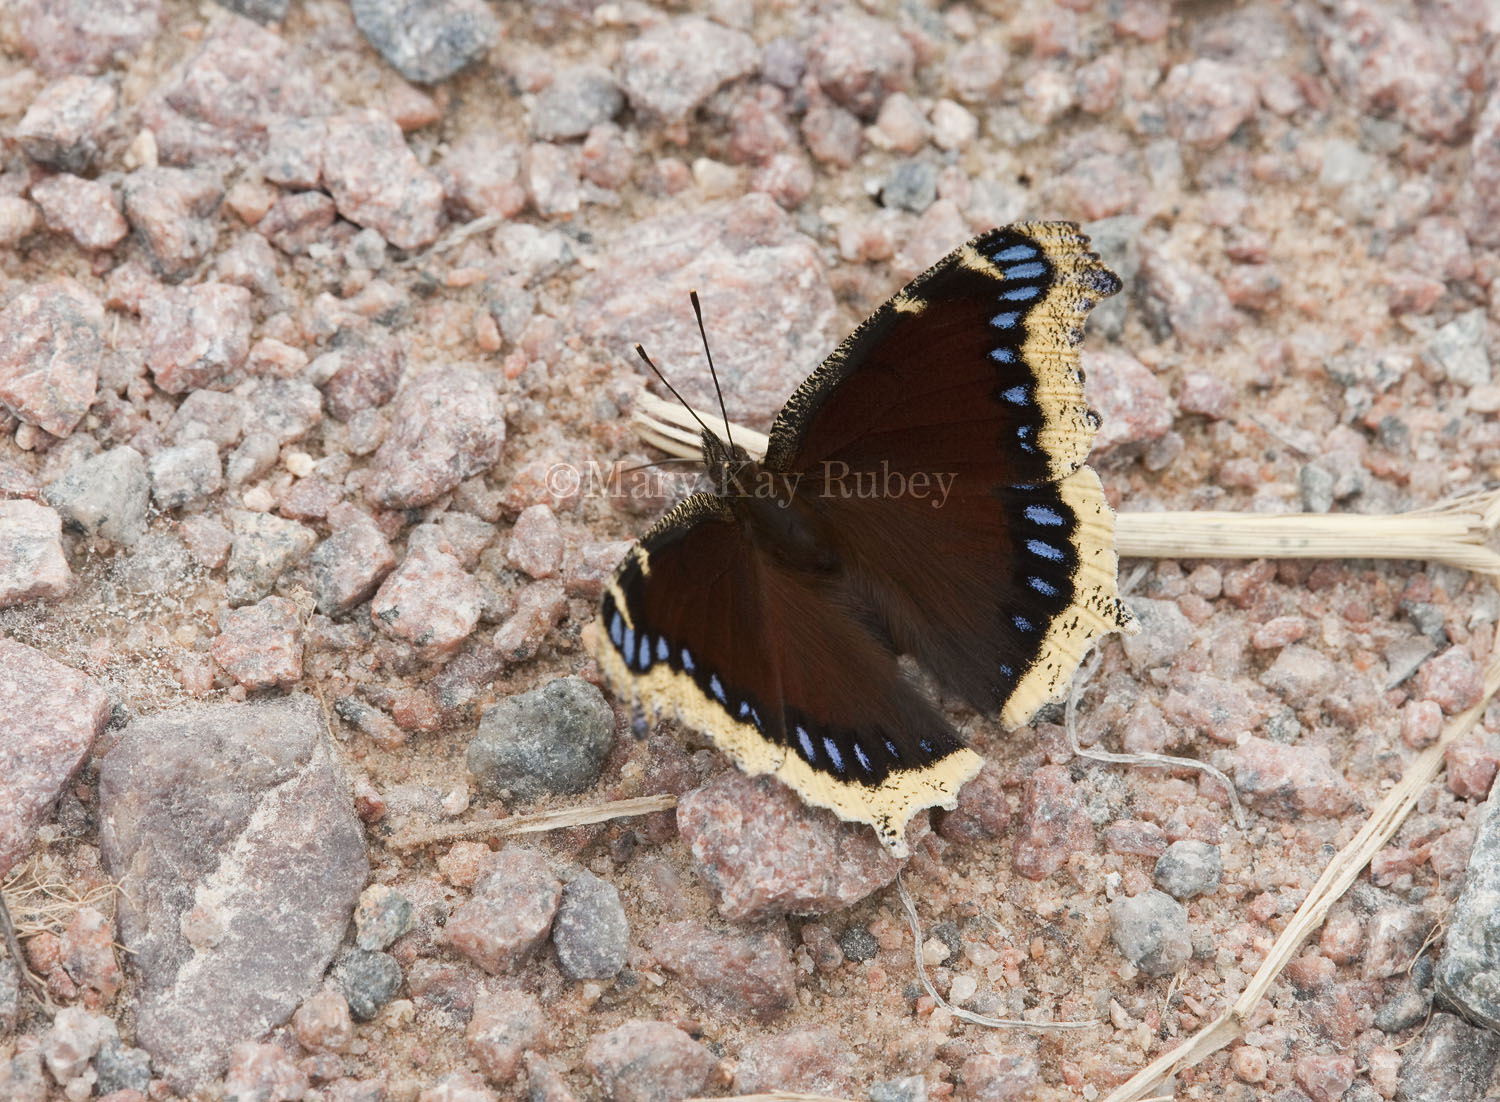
(687, 660)
(1044, 550)
(617, 629)
(1023, 624)
(1040, 514)
(1007, 320)
(643, 657)
(627, 646)
(1012, 253)
(717, 688)
(833, 754)
(1042, 586)
(1003, 355)
(1027, 271)
(808, 751)
(1021, 294)
(662, 650)
(1017, 395)
(862, 758)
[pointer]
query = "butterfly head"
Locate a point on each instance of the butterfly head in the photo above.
(729, 465)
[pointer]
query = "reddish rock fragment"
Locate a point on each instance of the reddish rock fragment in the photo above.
(1205, 394)
(298, 221)
(17, 219)
(87, 210)
(482, 176)
(447, 426)
(172, 212)
(197, 336)
(361, 373)
(1132, 403)
(88, 953)
(260, 645)
(536, 542)
(429, 601)
(764, 852)
(184, 474)
(51, 717)
(1471, 764)
(730, 972)
(811, 1061)
(77, 36)
(263, 1071)
(1452, 679)
(1184, 299)
(32, 564)
(1207, 100)
(510, 912)
(377, 182)
(1289, 781)
(670, 70)
(1009, 1076)
(1053, 824)
(322, 1023)
(859, 60)
(644, 1061)
(65, 126)
(506, 1023)
(49, 355)
(982, 812)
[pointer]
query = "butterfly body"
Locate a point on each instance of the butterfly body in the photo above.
(923, 494)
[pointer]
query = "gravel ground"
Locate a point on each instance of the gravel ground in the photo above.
(315, 371)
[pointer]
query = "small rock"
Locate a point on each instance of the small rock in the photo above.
(374, 178)
(106, 496)
(735, 973)
(120, 1067)
(50, 349)
(382, 915)
(62, 39)
(912, 186)
(579, 98)
(506, 1023)
(260, 646)
(427, 41)
(1133, 405)
(198, 336)
(764, 852)
(448, 425)
(1316, 486)
(360, 374)
(643, 1061)
(1189, 868)
(86, 210)
(348, 567)
(368, 980)
(1151, 931)
(553, 740)
(322, 1023)
(1302, 675)
(670, 70)
(1205, 394)
(429, 601)
(1207, 100)
(32, 564)
(1395, 934)
(184, 474)
(858, 60)
(263, 1071)
(1053, 823)
(172, 211)
(539, 608)
(510, 912)
(286, 409)
(261, 549)
(71, 1041)
(66, 125)
(1165, 633)
(999, 1076)
(207, 415)
(1289, 781)
(591, 932)
(1452, 1061)
(1469, 964)
(1453, 680)
(811, 1061)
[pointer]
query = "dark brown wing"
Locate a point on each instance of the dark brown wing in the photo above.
(777, 667)
(999, 573)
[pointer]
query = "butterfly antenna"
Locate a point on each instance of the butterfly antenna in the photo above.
(641, 352)
(698, 313)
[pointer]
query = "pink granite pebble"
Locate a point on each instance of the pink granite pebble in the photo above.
(429, 601)
(764, 852)
(88, 953)
(87, 210)
(669, 70)
(810, 1061)
(1053, 823)
(1207, 100)
(67, 124)
(50, 348)
(32, 564)
(1289, 782)
(510, 912)
(447, 426)
(1421, 723)
(506, 1023)
(1205, 394)
(540, 607)
(260, 645)
(1471, 765)
(199, 336)
(322, 1023)
(859, 60)
(999, 1076)
(263, 1071)
(536, 542)
(377, 182)
(1132, 403)
(51, 717)
(732, 972)
(75, 36)
(172, 212)
(644, 1061)
(1452, 679)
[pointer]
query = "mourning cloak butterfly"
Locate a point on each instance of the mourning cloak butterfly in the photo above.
(923, 493)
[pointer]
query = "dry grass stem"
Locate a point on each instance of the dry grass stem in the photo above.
(1341, 872)
(1453, 532)
(560, 819)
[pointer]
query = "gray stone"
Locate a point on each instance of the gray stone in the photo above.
(590, 932)
(32, 564)
(579, 98)
(911, 1088)
(1151, 931)
(382, 916)
(552, 740)
(1468, 971)
(106, 496)
(1189, 868)
(232, 835)
(427, 40)
(1404, 1009)
(262, 11)
(368, 980)
(1165, 633)
(256, 455)
(1459, 349)
(120, 1067)
(1316, 486)
(1453, 1062)
(184, 474)
(912, 185)
(262, 548)
(858, 944)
